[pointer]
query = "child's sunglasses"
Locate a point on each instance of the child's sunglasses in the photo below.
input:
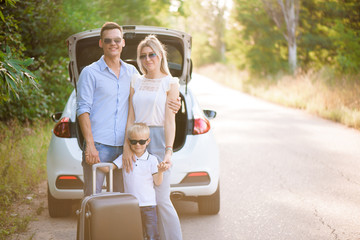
(141, 142)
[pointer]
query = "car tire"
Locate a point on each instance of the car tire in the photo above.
(209, 205)
(58, 207)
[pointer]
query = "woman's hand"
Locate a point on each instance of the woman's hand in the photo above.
(128, 158)
(167, 159)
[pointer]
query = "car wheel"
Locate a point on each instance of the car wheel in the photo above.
(58, 207)
(210, 204)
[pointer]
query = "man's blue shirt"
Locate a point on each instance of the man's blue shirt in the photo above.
(106, 98)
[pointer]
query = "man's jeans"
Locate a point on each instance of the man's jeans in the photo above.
(106, 154)
(149, 222)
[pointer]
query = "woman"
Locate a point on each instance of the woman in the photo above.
(149, 96)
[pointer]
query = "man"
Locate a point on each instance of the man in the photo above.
(102, 106)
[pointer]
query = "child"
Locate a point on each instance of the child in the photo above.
(140, 181)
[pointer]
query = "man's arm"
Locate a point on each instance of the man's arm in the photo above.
(91, 154)
(174, 105)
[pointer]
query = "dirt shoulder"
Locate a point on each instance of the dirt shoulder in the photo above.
(42, 227)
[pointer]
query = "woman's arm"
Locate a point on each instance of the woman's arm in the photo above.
(127, 153)
(169, 125)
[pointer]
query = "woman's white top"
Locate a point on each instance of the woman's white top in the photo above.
(149, 99)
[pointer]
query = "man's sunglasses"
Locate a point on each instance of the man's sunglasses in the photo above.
(150, 55)
(134, 142)
(110, 40)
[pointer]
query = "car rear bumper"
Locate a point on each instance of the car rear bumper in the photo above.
(199, 157)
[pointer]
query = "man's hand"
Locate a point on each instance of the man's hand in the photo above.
(175, 105)
(91, 154)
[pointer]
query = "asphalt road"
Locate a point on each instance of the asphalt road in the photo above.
(284, 175)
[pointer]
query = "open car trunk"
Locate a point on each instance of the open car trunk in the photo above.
(84, 49)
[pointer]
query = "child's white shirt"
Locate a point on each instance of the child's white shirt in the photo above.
(139, 182)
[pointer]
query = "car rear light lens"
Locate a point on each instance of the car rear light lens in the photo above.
(196, 178)
(62, 128)
(201, 126)
(68, 182)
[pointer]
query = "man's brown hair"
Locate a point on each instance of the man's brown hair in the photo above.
(109, 26)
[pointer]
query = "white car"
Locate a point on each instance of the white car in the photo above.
(195, 174)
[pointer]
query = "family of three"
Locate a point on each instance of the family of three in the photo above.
(129, 119)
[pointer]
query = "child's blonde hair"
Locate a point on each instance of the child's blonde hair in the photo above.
(137, 128)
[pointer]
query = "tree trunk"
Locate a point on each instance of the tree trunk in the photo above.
(290, 19)
(288, 13)
(292, 57)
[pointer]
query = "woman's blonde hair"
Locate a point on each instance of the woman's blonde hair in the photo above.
(152, 42)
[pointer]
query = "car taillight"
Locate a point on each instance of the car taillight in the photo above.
(68, 182)
(196, 178)
(201, 125)
(62, 128)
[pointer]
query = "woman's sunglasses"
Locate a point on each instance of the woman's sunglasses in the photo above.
(150, 55)
(134, 142)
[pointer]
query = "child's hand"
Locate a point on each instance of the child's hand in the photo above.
(163, 166)
(104, 169)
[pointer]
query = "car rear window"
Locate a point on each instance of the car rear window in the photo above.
(88, 51)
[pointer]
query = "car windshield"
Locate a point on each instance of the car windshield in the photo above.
(88, 51)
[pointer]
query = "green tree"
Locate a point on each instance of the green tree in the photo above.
(134, 12)
(286, 17)
(205, 21)
(253, 40)
(14, 74)
(23, 52)
(328, 34)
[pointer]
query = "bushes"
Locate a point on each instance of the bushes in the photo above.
(23, 151)
(31, 103)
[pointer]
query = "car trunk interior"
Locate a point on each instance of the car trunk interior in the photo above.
(88, 51)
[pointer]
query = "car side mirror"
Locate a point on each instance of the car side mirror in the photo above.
(210, 114)
(56, 116)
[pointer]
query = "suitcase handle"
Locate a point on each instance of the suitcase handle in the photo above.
(103, 164)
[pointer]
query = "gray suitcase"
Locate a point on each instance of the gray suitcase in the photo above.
(109, 216)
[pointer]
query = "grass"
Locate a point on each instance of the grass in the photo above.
(23, 149)
(321, 93)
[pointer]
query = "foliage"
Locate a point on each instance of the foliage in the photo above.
(133, 12)
(42, 25)
(208, 30)
(54, 79)
(254, 43)
(14, 75)
(33, 28)
(328, 35)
